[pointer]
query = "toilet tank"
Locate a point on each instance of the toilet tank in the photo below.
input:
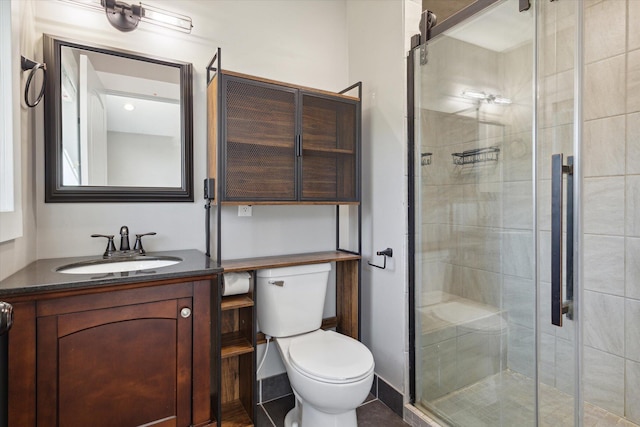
(291, 299)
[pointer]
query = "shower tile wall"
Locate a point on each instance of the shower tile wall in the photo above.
(476, 225)
(611, 197)
(612, 289)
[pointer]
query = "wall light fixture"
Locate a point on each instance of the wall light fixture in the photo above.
(126, 17)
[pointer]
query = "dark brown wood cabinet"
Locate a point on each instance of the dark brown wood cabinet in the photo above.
(271, 142)
(130, 357)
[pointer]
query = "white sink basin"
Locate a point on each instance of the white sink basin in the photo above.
(103, 266)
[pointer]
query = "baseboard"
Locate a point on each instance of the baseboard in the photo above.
(389, 396)
(274, 387)
(278, 386)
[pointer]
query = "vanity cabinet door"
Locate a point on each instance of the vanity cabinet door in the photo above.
(259, 158)
(121, 365)
(329, 149)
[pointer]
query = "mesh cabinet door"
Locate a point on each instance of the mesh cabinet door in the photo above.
(329, 149)
(259, 155)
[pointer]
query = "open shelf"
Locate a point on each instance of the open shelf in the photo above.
(235, 344)
(248, 264)
(234, 414)
(235, 301)
(290, 202)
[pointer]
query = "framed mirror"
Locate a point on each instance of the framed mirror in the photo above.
(118, 125)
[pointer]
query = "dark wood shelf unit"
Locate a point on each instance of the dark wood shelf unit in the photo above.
(259, 263)
(234, 344)
(235, 415)
(235, 301)
(267, 203)
(276, 143)
(347, 280)
(236, 357)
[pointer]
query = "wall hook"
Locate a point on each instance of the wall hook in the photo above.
(385, 253)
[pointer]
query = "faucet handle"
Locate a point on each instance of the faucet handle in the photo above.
(111, 247)
(138, 245)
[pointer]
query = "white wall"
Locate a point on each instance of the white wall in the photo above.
(303, 42)
(377, 57)
(18, 252)
(298, 42)
(149, 160)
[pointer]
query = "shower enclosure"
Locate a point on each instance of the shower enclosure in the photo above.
(525, 215)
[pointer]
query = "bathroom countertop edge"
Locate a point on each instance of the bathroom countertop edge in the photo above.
(40, 276)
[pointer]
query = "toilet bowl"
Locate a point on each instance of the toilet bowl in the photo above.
(330, 373)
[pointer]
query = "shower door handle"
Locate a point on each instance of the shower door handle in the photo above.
(559, 305)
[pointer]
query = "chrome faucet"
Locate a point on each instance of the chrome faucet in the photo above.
(124, 238)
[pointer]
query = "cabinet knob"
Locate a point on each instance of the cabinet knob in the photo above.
(185, 312)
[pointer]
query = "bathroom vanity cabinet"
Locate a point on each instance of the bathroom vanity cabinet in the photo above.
(123, 355)
(272, 142)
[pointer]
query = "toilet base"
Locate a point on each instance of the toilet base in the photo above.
(292, 419)
(307, 416)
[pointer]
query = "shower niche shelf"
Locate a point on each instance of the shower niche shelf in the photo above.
(478, 155)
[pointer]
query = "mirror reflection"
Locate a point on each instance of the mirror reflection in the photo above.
(120, 121)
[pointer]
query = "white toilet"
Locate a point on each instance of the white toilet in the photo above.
(330, 373)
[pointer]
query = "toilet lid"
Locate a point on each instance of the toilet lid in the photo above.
(329, 356)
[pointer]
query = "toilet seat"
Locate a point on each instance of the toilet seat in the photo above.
(330, 357)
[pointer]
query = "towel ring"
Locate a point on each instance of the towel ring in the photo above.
(28, 64)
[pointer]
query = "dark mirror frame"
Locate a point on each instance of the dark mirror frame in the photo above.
(54, 190)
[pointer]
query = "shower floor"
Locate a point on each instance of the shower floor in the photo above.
(505, 399)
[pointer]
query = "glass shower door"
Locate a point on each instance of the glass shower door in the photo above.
(527, 226)
(475, 256)
(557, 227)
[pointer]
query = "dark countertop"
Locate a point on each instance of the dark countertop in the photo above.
(41, 276)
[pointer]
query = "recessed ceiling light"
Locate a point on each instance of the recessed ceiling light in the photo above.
(128, 107)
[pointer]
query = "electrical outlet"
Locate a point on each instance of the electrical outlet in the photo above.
(244, 210)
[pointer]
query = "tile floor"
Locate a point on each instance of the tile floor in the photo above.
(372, 413)
(506, 399)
